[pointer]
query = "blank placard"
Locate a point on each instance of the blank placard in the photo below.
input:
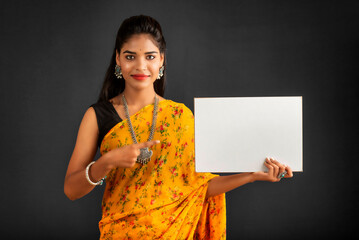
(236, 134)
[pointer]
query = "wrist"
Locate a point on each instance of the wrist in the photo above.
(106, 162)
(100, 182)
(253, 177)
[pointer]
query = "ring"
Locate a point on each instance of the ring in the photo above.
(281, 175)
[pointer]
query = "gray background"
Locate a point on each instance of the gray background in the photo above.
(53, 57)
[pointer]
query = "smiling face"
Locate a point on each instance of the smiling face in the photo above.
(140, 61)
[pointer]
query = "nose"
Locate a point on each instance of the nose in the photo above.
(141, 64)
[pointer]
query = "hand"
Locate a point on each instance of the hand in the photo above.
(274, 169)
(126, 156)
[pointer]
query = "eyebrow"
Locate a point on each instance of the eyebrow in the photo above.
(127, 51)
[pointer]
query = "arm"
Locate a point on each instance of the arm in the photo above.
(224, 184)
(76, 184)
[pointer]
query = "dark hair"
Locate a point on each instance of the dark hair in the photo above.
(134, 25)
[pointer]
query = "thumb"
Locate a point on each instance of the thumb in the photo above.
(147, 144)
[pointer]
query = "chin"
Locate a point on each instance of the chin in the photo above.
(140, 86)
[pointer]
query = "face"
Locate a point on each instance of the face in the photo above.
(140, 61)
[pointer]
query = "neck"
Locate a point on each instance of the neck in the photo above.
(139, 98)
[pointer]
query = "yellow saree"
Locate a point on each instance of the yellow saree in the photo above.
(165, 198)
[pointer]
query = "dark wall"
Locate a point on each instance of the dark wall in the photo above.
(53, 57)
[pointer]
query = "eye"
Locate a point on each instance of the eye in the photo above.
(129, 57)
(150, 57)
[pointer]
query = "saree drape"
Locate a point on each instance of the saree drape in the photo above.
(165, 198)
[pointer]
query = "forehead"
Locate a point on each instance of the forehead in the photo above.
(140, 43)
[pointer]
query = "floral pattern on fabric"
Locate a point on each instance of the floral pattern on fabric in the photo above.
(165, 198)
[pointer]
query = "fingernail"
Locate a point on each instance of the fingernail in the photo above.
(157, 141)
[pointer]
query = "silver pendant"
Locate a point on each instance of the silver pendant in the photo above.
(145, 153)
(145, 156)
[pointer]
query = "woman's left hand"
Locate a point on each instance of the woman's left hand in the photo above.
(275, 168)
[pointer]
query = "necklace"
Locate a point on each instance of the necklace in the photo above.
(145, 153)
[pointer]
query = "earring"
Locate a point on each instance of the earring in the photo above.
(118, 72)
(160, 73)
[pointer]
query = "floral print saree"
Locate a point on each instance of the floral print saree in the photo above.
(165, 198)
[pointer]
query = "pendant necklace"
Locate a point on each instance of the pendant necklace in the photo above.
(145, 155)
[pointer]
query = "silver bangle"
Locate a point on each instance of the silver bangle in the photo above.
(88, 178)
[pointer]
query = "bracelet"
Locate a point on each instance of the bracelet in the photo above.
(88, 178)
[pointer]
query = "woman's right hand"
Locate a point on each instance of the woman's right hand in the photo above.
(126, 156)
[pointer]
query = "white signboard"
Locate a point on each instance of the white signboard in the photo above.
(236, 134)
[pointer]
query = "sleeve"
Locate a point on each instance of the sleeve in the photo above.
(106, 119)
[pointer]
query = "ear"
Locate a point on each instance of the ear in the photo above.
(162, 59)
(117, 58)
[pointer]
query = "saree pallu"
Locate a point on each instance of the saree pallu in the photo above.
(165, 198)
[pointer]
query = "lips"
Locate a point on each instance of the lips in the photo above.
(140, 76)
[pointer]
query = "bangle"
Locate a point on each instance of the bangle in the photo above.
(88, 178)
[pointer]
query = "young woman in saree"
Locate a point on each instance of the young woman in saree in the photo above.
(147, 151)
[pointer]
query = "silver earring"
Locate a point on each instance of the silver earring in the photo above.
(118, 72)
(160, 73)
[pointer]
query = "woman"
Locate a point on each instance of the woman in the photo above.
(147, 151)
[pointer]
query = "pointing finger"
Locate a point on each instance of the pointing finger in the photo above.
(147, 144)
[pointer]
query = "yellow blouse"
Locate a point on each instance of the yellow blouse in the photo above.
(165, 198)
